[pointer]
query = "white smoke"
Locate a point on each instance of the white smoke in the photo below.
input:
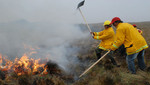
(48, 26)
(53, 40)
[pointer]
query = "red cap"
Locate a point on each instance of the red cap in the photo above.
(134, 25)
(115, 19)
(139, 30)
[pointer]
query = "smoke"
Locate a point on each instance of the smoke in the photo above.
(48, 40)
(44, 27)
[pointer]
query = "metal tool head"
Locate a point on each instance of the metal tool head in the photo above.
(80, 4)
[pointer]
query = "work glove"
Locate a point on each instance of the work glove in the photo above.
(93, 36)
(92, 33)
(110, 49)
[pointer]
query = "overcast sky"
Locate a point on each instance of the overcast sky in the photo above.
(95, 11)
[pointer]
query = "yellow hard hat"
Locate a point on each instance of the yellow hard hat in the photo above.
(107, 22)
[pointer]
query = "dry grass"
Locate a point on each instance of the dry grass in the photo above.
(104, 73)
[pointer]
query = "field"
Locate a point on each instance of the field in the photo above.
(104, 73)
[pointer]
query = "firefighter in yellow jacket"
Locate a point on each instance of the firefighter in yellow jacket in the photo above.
(140, 31)
(107, 37)
(133, 41)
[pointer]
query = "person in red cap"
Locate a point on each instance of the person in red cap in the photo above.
(134, 25)
(140, 31)
(133, 41)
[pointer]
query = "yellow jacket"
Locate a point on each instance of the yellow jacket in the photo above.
(129, 36)
(107, 38)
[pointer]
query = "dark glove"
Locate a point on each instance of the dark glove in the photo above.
(92, 33)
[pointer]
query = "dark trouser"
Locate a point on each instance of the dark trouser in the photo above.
(122, 50)
(109, 55)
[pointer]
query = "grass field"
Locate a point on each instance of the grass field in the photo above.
(104, 73)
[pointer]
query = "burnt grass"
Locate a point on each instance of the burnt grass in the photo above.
(104, 73)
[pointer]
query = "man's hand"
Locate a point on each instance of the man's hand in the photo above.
(93, 36)
(92, 33)
(110, 49)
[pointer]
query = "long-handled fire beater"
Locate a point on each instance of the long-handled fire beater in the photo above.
(78, 7)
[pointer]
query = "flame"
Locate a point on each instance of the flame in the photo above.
(24, 65)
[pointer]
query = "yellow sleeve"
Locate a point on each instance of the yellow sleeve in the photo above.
(104, 36)
(98, 33)
(120, 37)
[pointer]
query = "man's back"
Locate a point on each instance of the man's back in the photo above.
(131, 38)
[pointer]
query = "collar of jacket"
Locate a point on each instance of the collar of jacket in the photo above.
(118, 25)
(107, 28)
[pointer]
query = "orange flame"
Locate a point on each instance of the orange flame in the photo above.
(24, 65)
(21, 66)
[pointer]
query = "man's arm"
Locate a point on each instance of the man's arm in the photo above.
(104, 36)
(119, 40)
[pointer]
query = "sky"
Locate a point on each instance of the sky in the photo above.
(58, 11)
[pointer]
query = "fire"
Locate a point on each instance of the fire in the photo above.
(26, 65)
(23, 65)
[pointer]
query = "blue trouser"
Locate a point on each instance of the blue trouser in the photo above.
(130, 61)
